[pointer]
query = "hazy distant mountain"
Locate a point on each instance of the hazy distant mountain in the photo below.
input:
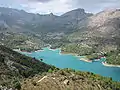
(76, 15)
(20, 21)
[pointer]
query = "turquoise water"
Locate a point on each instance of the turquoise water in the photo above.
(69, 61)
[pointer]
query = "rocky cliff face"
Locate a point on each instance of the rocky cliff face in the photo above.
(106, 22)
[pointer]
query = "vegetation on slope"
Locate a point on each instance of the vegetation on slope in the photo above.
(67, 79)
(113, 57)
(22, 41)
(92, 52)
(78, 49)
(15, 66)
(101, 33)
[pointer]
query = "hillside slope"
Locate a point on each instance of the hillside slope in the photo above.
(25, 73)
(99, 34)
(14, 67)
(104, 25)
(70, 80)
(23, 41)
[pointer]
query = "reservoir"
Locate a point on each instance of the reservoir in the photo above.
(54, 57)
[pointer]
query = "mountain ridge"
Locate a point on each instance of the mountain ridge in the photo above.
(19, 19)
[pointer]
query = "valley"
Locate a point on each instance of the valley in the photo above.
(74, 32)
(23, 73)
(64, 60)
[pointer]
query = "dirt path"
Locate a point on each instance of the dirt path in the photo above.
(42, 79)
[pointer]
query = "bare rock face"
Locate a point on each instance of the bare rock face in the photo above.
(105, 22)
(101, 30)
(104, 28)
(102, 17)
(66, 82)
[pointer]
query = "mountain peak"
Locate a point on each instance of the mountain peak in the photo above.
(51, 14)
(79, 9)
(76, 12)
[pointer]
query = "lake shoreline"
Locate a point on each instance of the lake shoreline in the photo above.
(18, 50)
(66, 53)
(76, 55)
(110, 65)
(85, 59)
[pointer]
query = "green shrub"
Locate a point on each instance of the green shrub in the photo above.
(17, 85)
(50, 70)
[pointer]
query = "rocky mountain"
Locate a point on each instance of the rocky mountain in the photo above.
(105, 24)
(99, 33)
(21, 21)
(28, 31)
(102, 28)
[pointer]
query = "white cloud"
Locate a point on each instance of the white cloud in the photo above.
(54, 6)
(61, 6)
(97, 5)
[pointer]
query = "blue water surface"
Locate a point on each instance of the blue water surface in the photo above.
(69, 61)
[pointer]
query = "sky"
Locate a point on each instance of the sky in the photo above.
(59, 7)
